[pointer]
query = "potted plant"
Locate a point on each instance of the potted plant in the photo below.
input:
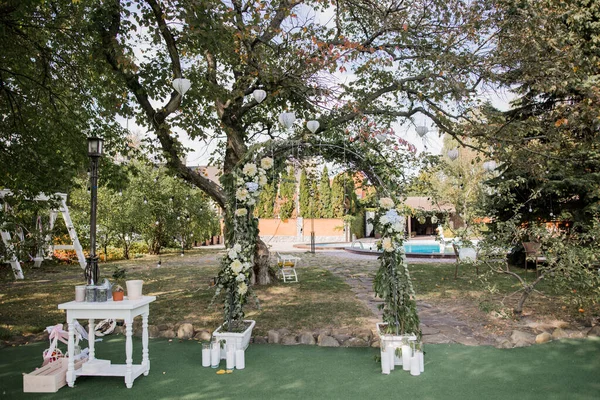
(118, 291)
(233, 281)
(392, 283)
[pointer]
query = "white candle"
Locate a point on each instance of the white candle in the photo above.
(414, 366)
(215, 354)
(421, 358)
(206, 357)
(385, 362)
(240, 359)
(406, 355)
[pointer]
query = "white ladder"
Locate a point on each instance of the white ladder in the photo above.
(14, 261)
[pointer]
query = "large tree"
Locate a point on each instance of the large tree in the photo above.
(404, 59)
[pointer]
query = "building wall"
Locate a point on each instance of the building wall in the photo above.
(299, 229)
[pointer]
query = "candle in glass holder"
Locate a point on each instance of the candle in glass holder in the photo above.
(206, 357)
(240, 359)
(215, 354)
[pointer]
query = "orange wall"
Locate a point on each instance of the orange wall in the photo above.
(278, 227)
(324, 226)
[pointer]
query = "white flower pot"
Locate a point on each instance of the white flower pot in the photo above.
(241, 340)
(134, 289)
(395, 341)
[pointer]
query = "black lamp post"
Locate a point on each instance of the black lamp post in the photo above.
(94, 152)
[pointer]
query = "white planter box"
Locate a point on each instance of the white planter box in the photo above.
(395, 341)
(241, 340)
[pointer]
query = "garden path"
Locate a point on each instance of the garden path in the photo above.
(442, 322)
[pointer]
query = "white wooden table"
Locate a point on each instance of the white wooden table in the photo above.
(126, 310)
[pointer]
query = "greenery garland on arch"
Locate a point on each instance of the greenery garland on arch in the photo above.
(244, 185)
(392, 282)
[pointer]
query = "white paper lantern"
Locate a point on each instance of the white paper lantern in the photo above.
(422, 130)
(453, 154)
(380, 137)
(312, 125)
(489, 166)
(181, 85)
(259, 95)
(287, 119)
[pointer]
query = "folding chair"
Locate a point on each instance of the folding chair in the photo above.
(287, 267)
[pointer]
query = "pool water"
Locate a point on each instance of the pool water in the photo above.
(419, 246)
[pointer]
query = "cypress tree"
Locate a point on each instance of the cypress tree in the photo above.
(305, 196)
(325, 195)
(287, 189)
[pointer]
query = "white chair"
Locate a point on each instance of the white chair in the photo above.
(287, 264)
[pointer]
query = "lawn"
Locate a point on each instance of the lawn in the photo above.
(320, 300)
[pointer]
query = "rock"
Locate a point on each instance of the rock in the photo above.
(543, 338)
(153, 331)
(306, 338)
(185, 331)
(376, 343)
(521, 339)
(594, 331)
(340, 332)
(283, 332)
(559, 333)
(260, 340)
(355, 342)
(504, 344)
(341, 338)
(575, 334)
(322, 332)
(203, 336)
(289, 340)
(274, 337)
(163, 327)
(169, 334)
(364, 334)
(327, 341)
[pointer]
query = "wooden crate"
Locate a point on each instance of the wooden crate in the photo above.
(50, 378)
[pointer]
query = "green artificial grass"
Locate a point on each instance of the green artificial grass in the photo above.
(568, 369)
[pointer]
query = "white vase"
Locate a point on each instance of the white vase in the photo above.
(215, 354)
(385, 362)
(406, 357)
(415, 370)
(230, 356)
(134, 289)
(391, 350)
(240, 359)
(421, 359)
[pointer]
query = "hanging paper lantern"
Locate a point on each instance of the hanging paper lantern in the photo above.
(422, 130)
(380, 137)
(287, 119)
(489, 166)
(312, 125)
(434, 219)
(181, 85)
(259, 95)
(453, 154)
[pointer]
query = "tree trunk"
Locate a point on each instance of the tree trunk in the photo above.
(263, 275)
(519, 307)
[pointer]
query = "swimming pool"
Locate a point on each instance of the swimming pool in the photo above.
(416, 247)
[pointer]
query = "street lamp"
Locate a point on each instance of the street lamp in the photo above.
(94, 152)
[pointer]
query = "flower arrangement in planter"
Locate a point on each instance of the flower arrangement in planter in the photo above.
(233, 280)
(392, 284)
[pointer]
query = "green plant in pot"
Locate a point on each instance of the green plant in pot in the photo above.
(118, 275)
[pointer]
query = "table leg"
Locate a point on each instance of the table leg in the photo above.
(128, 353)
(145, 358)
(92, 338)
(71, 350)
